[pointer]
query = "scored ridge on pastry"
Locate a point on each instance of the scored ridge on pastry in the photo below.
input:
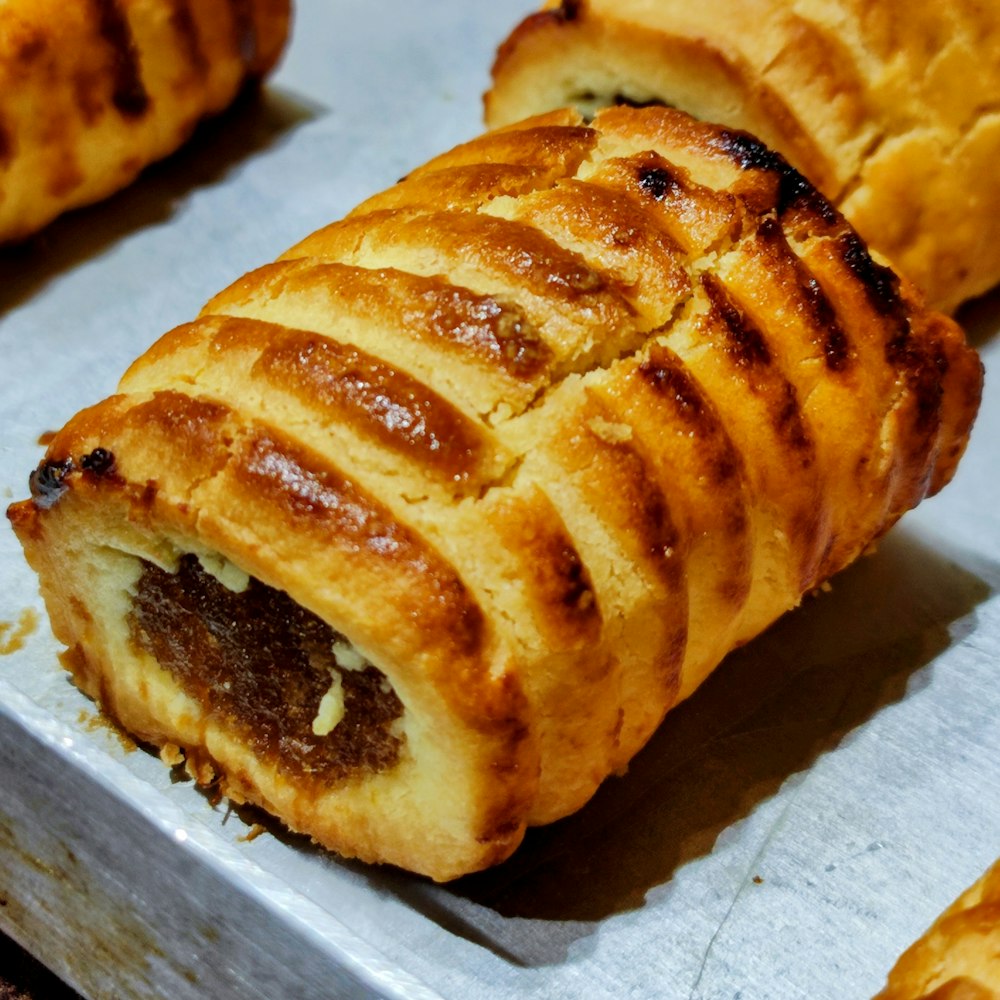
(414, 535)
(889, 108)
(93, 91)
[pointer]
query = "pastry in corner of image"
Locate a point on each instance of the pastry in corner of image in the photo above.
(414, 535)
(92, 93)
(958, 957)
(889, 107)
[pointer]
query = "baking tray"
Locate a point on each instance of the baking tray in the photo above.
(786, 833)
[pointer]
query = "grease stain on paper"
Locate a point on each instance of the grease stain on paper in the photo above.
(12, 635)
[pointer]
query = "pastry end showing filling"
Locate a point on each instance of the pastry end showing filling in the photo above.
(264, 667)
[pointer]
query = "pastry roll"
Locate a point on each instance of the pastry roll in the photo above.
(889, 107)
(958, 957)
(414, 535)
(93, 91)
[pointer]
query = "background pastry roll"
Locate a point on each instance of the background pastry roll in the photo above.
(93, 91)
(889, 108)
(958, 956)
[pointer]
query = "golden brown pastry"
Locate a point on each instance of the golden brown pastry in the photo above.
(890, 108)
(958, 958)
(415, 534)
(93, 91)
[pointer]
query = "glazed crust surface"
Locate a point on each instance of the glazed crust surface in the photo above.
(889, 108)
(91, 92)
(542, 432)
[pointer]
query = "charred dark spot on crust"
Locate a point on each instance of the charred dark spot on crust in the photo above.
(748, 152)
(747, 347)
(556, 577)
(924, 381)
(794, 189)
(500, 831)
(48, 482)
(146, 497)
(649, 515)
(664, 538)
(882, 289)
(570, 10)
(31, 48)
(791, 426)
(561, 581)
(900, 350)
(725, 466)
(881, 284)
(128, 94)
(672, 382)
(929, 393)
(577, 592)
(721, 466)
(747, 343)
(658, 182)
(820, 311)
(836, 346)
(260, 663)
(100, 462)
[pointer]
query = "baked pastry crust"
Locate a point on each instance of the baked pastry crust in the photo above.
(541, 433)
(92, 92)
(889, 108)
(958, 957)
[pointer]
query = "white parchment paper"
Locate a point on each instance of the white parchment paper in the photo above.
(788, 831)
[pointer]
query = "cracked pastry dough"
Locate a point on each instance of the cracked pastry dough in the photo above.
(892, 108)
(958, 957)
(415, 534)
(93, 91)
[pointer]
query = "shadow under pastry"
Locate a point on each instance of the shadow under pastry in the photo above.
(259, 119)
(766, 715)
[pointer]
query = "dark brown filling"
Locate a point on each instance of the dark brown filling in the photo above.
(589, 102)
(261, 664)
